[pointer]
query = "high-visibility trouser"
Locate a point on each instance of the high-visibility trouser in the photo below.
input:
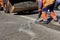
(52, 14)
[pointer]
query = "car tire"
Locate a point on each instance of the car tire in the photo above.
(58, 7)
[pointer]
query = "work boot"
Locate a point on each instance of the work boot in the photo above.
(56, 20)
(44, 22)
(38, 21)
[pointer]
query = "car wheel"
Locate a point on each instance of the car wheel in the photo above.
(58, 7)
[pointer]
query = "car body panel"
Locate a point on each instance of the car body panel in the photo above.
(58, 1)
(57, 4)
(21, 5)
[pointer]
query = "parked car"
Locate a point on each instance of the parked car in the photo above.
(19, 5)
(57, 5)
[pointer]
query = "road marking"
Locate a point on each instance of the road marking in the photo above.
(29, 32)
(32, 34)
(28, 18)
(35, 19)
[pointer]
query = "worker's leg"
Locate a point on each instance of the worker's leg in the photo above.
(39, 8)
(52, 13)
(39, 14)
(44, 15)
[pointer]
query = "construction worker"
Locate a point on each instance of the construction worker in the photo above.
(48, 5)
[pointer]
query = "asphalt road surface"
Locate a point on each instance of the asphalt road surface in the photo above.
(22, 27)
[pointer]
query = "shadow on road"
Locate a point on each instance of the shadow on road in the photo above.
(26, 13)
